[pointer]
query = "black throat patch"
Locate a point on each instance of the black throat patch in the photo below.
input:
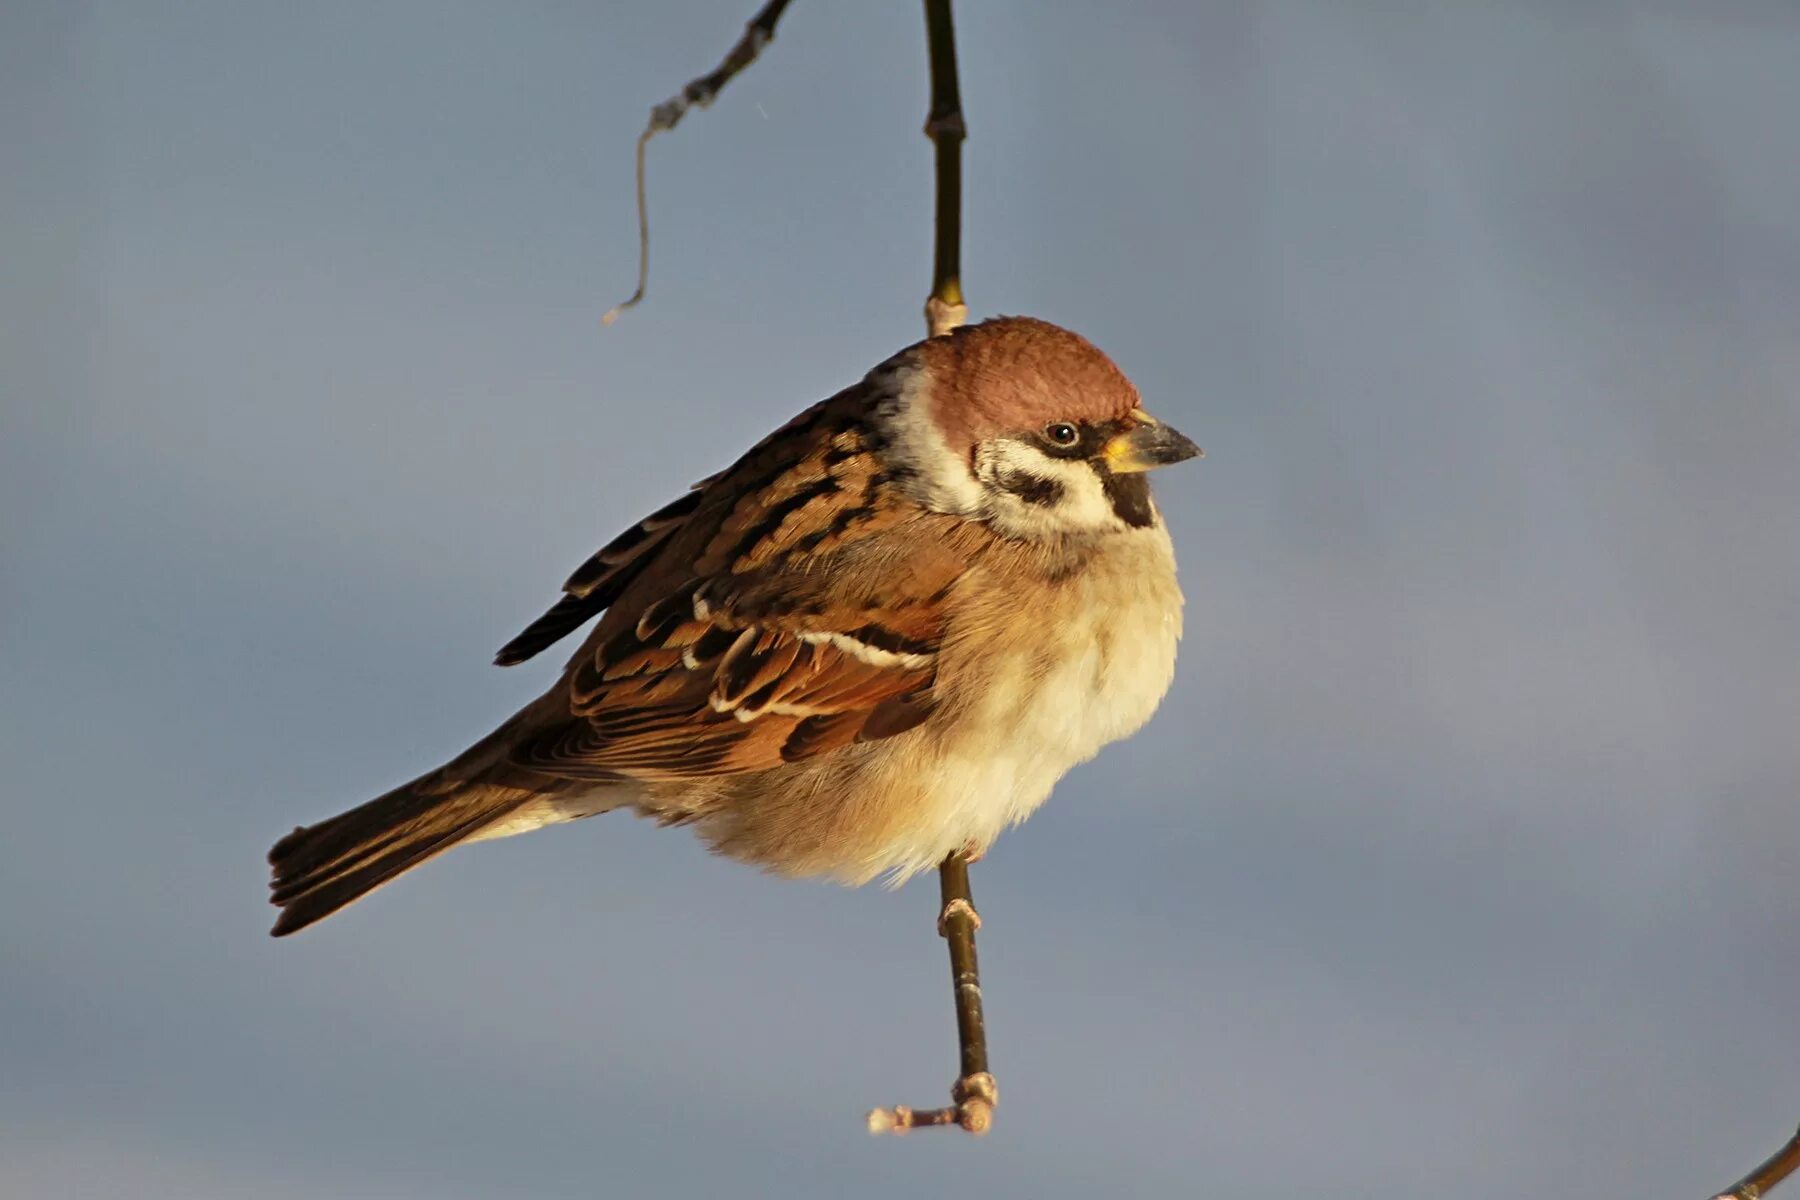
(1129, 496)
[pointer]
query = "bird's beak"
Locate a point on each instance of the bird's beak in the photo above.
(1148, 444)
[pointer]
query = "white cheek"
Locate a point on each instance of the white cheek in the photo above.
(1081, 505)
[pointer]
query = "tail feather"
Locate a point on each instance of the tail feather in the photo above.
(318, 869)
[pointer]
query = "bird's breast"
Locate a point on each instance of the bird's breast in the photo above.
(1032, 682)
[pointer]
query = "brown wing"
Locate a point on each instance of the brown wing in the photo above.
(600, 580)
(798, 608)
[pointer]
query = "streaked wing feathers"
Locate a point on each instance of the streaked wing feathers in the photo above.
(711, 693)
(793, 605)
(599, 581)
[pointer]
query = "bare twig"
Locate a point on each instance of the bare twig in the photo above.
(974, 1094)
(697, 94)
(944, 309)
(1776, 1168)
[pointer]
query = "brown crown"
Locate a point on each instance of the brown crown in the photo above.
(1011, 374)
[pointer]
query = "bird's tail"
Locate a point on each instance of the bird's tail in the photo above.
(318, 869)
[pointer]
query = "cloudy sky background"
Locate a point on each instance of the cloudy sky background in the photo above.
(1459, 861)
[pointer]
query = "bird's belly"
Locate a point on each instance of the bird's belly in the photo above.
(1090, 670)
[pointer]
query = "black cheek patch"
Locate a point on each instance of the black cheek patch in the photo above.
(1129, 496)
(1032, 489)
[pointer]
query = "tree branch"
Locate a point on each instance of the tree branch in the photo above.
(699, 93)
(1777, 1167)
(944, 309)
(975, 1093)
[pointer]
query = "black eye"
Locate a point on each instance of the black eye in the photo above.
(1061, 433)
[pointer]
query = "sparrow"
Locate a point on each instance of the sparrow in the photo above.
(878, 638)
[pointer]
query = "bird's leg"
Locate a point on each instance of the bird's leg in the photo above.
(974, 1094)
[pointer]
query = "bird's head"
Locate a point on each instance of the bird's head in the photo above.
(1023, 424)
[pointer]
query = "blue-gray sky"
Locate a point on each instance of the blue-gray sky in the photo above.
(1461, 857)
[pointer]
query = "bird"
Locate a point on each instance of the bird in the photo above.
(878, 638)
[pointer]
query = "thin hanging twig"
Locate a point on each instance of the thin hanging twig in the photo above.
(697, 94)
(1777, 1167)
